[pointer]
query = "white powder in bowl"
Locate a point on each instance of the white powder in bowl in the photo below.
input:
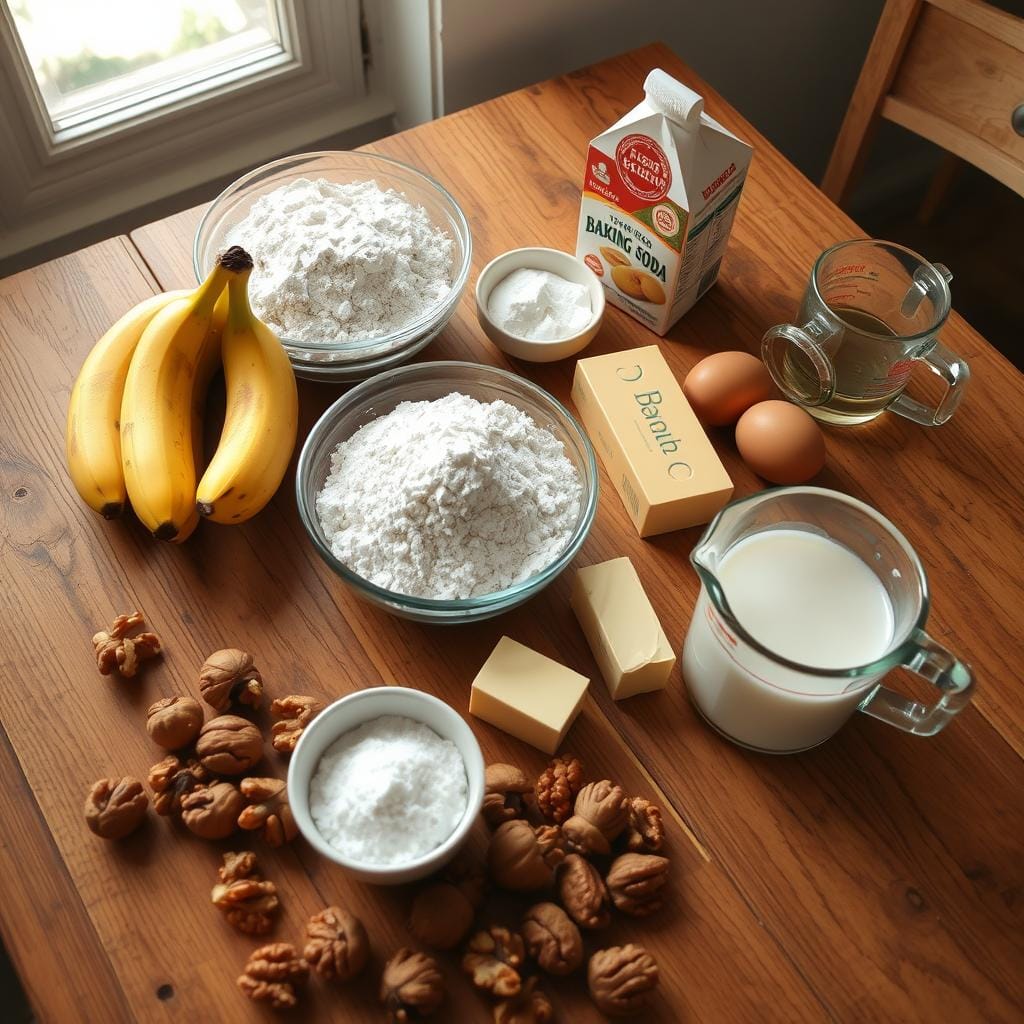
(336, 263)
(389, 791)
(449, 499)
(539, 305)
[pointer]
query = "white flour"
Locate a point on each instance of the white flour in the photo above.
(388, 791)
(336, 263)
(449, 499)
(539, 305)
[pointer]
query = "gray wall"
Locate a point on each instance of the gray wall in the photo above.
(789, 66)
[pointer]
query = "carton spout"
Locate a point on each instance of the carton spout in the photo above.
(673, 99)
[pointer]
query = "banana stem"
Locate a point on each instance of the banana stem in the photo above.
(239, 311)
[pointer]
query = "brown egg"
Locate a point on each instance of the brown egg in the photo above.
(722, 387)
(780, 442)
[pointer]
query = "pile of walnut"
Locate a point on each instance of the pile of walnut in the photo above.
(198, 781)
(582, 851)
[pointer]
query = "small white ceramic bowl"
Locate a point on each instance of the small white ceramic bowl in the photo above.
(364, 706)
(556, 262)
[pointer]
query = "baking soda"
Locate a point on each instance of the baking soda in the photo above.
(388, 791)
(539, 305)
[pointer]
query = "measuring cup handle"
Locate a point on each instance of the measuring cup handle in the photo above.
(816, 390)
(954, 371)
(944, 671)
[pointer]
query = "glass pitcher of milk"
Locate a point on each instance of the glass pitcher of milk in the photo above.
(808, 598)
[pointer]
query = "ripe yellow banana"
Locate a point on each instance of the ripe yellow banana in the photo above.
(261, 419)
(207, 366)
(93, 440)
(156, 411)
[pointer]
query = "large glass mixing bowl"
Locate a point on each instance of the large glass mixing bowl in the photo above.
(424, 382)
(330, 358)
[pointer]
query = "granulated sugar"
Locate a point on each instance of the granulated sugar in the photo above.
(336, 263)
(388, 791)
(450, 499)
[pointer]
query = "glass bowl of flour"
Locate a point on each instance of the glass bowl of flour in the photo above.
(360, 260)
(447, 492)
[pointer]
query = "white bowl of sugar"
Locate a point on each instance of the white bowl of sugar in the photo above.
(538, 304)
(387, 782)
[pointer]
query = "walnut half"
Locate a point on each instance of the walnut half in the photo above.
(505, 793)
(229, 676)
(172, 780)
(115, 649)
(337, 946)
(115, 807)
(229, 745)
(531, 1006)
(621, 979)
(493, 958)
(212, 811)
(271, 974)
(583, 892)
(246, 900)
(174, 722)
(293, 714)
(552, 939)
(557, 787)
(523, 858)
(268, 810)
(412, 986)
(634, 882)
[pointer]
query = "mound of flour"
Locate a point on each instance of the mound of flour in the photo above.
(342, 262)
(449, 499)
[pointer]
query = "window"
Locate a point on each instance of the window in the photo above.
(99, 61)
(109, 105)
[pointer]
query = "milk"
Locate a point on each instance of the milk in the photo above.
(807, 599)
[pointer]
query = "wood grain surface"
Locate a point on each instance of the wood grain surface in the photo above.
(878, 877)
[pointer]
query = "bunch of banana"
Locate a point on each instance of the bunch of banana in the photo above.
(135, 419)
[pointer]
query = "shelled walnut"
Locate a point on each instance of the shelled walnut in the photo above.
(523, 858)
(506, 788)
(531, 1006)
(212, 811)
(622, 979)
(645, 832)
(603, 805)
(337, 946)
(115, 649)
(172, 780)
(411, 987)
(583, 892)
(552, 939)
(229, 745)
(271, 974)
(247, 901)
(634, 881)
(493, 958)
(581, 836)
(440, 916)
(174, 722)
(294, 713)
(115, 807)
(557, 787)
(268, 810)
(229, 677)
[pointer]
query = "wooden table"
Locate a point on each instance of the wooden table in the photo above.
(878, 877)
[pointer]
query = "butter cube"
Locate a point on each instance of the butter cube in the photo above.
(528, 695)
(623, 631)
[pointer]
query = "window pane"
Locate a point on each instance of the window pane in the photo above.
(93, 57)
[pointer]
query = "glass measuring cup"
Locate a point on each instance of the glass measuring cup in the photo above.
(766, 702)
(871, 311)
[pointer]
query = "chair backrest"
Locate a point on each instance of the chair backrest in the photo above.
(951, 71)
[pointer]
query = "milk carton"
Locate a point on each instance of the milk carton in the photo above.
(659, 196)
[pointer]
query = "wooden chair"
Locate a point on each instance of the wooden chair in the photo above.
(951, 71)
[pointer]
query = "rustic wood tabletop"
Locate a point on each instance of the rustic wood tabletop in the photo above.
(878, 877)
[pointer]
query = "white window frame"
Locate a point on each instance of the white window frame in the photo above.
(54, 183)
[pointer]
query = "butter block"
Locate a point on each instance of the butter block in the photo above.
(527, 694)
(622, 628)
(650, 440)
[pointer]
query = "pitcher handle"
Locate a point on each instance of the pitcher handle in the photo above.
(954, 371)
(944, 671)
(812, 390)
